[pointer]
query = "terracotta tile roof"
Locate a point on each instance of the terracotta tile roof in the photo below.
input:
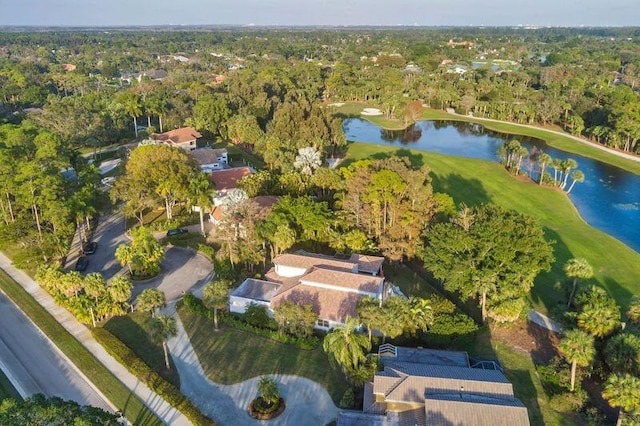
(257, 290)
(366, 263)
(346, 280)
(308, 262)
(228, 179)
(217, 213)
(468, 410)
(331, 305)
(184, 134)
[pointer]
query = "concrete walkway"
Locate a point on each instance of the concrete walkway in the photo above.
(162, 409)
(544, 321)
(308, 403)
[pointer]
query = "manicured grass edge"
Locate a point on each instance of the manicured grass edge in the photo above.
(6, 388)
(136, 366)
(132, 408)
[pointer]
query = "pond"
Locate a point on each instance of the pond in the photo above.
(608, 199)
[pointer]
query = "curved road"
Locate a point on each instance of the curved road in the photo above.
(34, 365)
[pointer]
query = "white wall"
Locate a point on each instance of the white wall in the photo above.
(289, 271)
(239, 305)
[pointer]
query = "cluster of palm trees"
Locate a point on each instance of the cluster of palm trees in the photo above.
(513, 155)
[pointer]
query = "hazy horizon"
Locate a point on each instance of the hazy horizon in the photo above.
(337, 13)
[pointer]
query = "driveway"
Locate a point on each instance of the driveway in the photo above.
(308, 403)
(183, 269)
(109, 234)
(34, 365)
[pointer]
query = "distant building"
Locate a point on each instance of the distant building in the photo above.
(431, 387)
(185, 138)
(155, 75)
(226, 181)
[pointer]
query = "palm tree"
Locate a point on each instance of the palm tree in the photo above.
(482, 286)
(199, 195)
(120, 289)
(421, 312)
(577, 268)
(567, 165)
(577, 176)
(345, 346)
(150, 300)
(133, 108)
(162, 329)
(623, 392)
(215, 295)
(634, 310)
(599, 319)
(556, 163)
(268, 391)
(307, 160)
(370, 314)
(544, 160)
(577, 348)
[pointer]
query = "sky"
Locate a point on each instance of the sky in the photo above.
(320, 12)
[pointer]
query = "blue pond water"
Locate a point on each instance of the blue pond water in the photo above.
(608, 199)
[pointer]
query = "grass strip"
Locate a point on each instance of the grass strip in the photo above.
(133, 409)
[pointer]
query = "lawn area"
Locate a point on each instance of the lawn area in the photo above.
(6, 388)
(134, 331)
(236, 154)
(110, 386)
(409, 281)
(522, 374)
(230, 356)
(475, 181)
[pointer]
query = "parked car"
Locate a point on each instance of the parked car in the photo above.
(82, 263)
(177, 231)
(90, 248)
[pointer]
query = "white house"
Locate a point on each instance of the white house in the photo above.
(333, 287)
(211, 159)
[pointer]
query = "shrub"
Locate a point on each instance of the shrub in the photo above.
(257, 316)
(449, 324)
(196, 306)
(569, 401)
(305, 343)
(142, 371)
(207, 251)
(348, 399)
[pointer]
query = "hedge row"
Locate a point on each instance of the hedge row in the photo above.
(196, 306)
(156, 383)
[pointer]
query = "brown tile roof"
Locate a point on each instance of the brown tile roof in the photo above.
(217, 213)
(184, 134)
(346, 280)
(331, 305)
(469, 410)
(228, 179)
(308, 262)
(366, 263)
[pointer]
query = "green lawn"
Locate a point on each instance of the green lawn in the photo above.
(110, 386)
(475, 181)
(133, 331)
(230, 356)
(6, 388)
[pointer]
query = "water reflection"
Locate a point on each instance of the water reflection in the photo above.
(609, 198)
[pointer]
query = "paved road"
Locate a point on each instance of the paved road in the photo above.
(34, 365)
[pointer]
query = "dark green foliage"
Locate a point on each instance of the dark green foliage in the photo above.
(305, 343)
(196, 306)
(257, 316)
(156, 383)
(348, 399)
(450, 326)
(40, 410)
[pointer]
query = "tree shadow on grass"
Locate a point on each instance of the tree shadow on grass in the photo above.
(462, 190)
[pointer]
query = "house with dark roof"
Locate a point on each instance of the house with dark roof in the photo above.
(332, 286)
(210, 159)
(184, 137)
(431, 387)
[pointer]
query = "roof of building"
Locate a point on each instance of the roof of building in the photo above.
(217, 212)
(431, 356)
(257, 290)
(228, 178)
(471, 410)
(206, 156)
(308, 262)
(347, 280)
(331, 305)
(265, 201)
(366, 263)
(183, 134)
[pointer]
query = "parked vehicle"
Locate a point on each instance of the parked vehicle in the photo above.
(90, 248)
(82, 263)
(177, 231)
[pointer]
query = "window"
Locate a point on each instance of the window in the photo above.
(322, 323)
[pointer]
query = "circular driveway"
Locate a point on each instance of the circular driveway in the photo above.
(183, 269)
